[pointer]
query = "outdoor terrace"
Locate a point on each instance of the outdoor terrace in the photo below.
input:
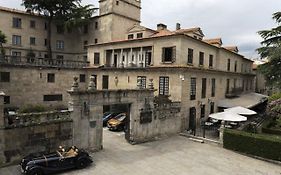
(41, 62)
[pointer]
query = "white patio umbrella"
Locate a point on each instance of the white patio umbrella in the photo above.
(228, 116)
(240, 110)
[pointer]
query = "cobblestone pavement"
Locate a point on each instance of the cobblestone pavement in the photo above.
(172, 156)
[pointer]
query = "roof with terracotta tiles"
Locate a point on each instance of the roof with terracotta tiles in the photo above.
(18, 11)
(190, 30)
(213, 41)
(232, 48)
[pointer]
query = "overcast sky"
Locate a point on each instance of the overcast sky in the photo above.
(235, 21)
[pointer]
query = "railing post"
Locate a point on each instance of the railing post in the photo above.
(2, 120)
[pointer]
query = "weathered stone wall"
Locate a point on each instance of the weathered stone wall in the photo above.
(20, 142)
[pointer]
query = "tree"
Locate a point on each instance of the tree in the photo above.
(68, 13)
(3, 40)
(272, 51)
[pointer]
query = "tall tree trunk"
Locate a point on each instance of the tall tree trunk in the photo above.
(49, 36)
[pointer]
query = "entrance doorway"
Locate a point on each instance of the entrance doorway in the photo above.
(116, 119)
(192, 119)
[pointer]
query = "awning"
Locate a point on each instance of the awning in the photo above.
(240, 110)
(228, 116)
(246, 100)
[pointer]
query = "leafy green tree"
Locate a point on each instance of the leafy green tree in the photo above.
(68, 13)
(271, 49)
(3, 40)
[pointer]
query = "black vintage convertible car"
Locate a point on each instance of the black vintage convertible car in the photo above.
(42, 164)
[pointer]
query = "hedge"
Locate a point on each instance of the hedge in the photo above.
(261, 145)
(267, 128)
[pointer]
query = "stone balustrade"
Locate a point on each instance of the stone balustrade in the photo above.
(30, 119)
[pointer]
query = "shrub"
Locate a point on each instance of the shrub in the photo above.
(262, 145)
(32, 109)
(275, 97)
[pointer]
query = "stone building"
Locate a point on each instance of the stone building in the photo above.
(27, 32)
(183, 65)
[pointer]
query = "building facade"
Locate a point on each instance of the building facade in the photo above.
(182, 64)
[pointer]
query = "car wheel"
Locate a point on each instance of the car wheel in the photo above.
(36, 172)
(81, 163)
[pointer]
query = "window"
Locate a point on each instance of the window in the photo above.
(242, 67)
(82, 78)
(96, 25)
(193, 89)
(16, 54)
(202, 114)
(60, 45)
(85, 29)
(46, 42)
(32, 40)
(139, 35)
(227, 85)
(235, 66)
(105, 79)
(211, 60)
(201, 58)
(16, 40)
(51, 78)
(32, 24)
(169, 54)
(96, 58)
(143, 81)
(57, 97)
(228, 65)
(4, 76)
(163, 85)
(212, 107)
(85, 45)
(46, 26)
(60, 29)
(131, 36)
(96, 41)
(60, 59)
(234, 83)
(190, 56)
(213, 93)
(17, 22)
(203, 90)
(117, 2)
(6, 100)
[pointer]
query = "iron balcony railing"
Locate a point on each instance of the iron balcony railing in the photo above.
(46, 62)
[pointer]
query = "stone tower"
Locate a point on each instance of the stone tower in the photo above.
(117, 16)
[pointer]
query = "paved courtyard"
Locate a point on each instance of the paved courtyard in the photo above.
(173, 156)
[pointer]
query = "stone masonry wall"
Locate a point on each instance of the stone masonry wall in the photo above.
(20, 142)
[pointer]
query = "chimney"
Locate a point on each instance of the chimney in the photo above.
(161, 26)
(178, 26)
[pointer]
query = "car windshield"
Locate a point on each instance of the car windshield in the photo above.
(121, 117)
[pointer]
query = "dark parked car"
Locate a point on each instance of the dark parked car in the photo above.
(43, 164)
(107, 116)
(117, 123)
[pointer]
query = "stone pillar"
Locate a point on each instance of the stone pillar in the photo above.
(141, 58)
(121, 59)
(2, 124)
(221, 132)
(130, 58)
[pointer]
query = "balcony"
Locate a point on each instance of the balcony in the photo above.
(41, 62)
(234, 92)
